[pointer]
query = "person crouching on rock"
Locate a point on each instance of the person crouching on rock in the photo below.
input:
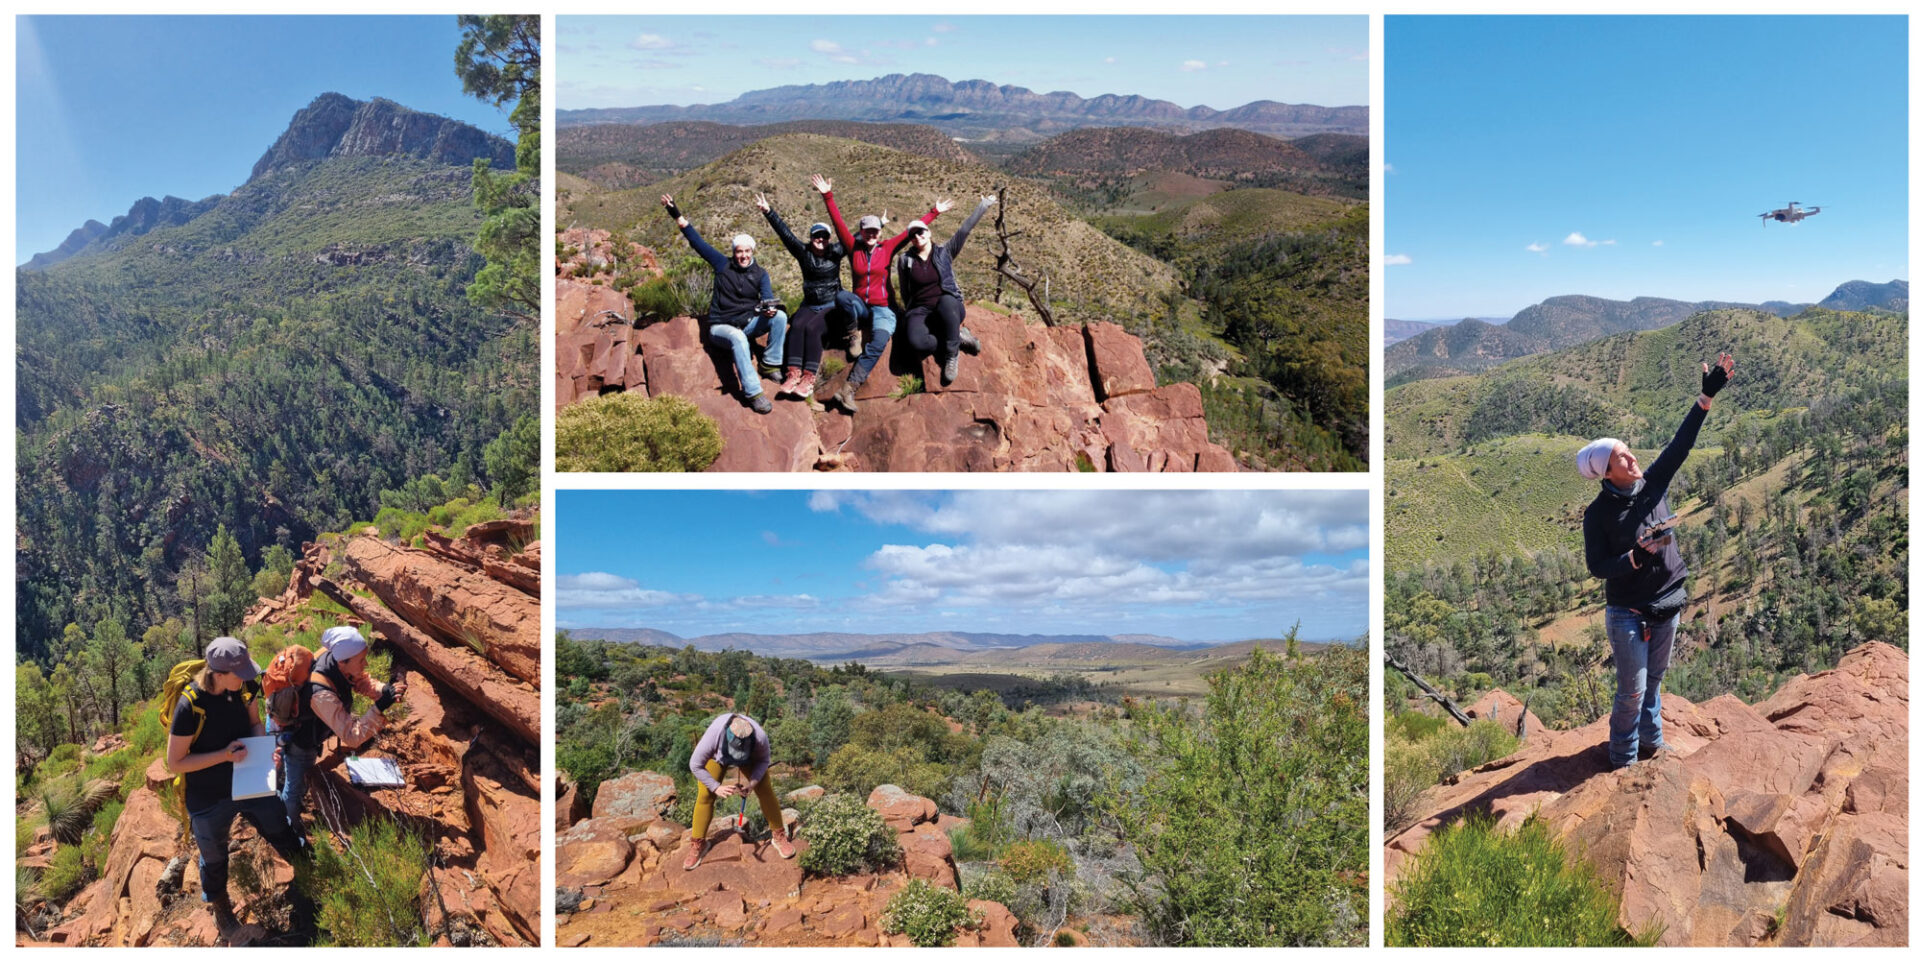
(327, 710)
(209, 721)
(927, 290)
(1630, 545)
(867, 258)
(819, 260)
(733, 741)
(742, 307)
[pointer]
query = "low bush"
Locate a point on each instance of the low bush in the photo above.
(845, 836)
(67, 875)
(1412, 767)
(369, 896)
(626, 432)
(1031, 861)
(1475, 886)
(928, 915)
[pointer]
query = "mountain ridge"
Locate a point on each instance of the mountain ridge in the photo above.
(932, 99)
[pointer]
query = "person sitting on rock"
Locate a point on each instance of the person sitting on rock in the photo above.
(867, 257)
(733, 741)
(923, 275)
(338, 673)
(742, 307)
(1630, 544)
(819, 260)
(209, 722)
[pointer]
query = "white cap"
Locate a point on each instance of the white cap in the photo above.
(743, 240)
(344, 643)
(1593, 457)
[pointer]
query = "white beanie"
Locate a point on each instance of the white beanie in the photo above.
(344, 642)
(1594, 457)
(743, 240)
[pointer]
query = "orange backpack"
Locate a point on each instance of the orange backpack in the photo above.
(284, 682)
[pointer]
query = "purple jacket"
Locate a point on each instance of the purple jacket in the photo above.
(709, 749)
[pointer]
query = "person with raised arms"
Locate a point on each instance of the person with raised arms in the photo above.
(743, 307)
(868, 257)
(930, 294)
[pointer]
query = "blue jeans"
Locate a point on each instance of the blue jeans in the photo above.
(295, 766)
(740, 341)
(883, 326)
(213, 827)
(1640, 653)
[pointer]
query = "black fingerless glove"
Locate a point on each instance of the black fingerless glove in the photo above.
(387, 697)
(1713, 380)
(673, 211)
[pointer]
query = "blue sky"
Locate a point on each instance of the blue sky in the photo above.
(1220, 62)
(1200, 566)
(1629, 156)
(112, 109)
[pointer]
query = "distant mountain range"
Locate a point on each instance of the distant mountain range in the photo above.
(1326, 163)
(979, 108)
(332, 126)
(1560, 322)
(866, 646)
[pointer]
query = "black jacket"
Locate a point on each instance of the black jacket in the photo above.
(737, 291)
(1616, 519)
(941, 257)
(819, 273)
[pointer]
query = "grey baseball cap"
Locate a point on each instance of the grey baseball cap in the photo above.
(228, 655)
(870, 222)
(819, 228)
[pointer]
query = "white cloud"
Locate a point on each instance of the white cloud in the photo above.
(610, 591)
(1387, 167)
(1396, 259)
(943, 28)
(650, 41)
(1608, 243)
(1111, 60)
(1578, 239)
(1189, 66)
(1659, 243)
(1536, 248)
(833, 51)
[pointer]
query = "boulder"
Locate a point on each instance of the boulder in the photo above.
(1117, 360)
(902, 810)
(929, 855)
(809, 792)
(645, 795)
(455, 604)
(570, 808)
(997, 924)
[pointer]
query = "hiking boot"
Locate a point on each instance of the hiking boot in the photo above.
(791, 382)
(224, 922)
(968, 343)
(760, 403)
(950, 370)
(1657, 750)
(804, 388)
(856, 344)
(780, 844)
(844, 396)
(695, 853)
(773, 373)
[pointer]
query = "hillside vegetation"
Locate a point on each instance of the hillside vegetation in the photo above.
(1237, 821)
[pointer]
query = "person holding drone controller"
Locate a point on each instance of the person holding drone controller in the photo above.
(1629, 538)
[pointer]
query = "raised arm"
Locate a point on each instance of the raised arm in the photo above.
(959, 238)
(1712, 378)
(787, 239)
(825, 187)
(701, 247)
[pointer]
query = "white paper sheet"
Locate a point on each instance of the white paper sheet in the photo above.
(375, 772)
(253, 776)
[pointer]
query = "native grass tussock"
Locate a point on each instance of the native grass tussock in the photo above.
(1073, 815)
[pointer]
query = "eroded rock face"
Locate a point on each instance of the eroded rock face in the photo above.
(1792, 808)
(643, 796)
(1035, 398)
(455, 603)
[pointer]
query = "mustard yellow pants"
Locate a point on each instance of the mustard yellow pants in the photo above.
(703, 804)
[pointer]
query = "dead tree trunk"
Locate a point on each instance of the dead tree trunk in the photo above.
(1008, 270)
(1430, 692)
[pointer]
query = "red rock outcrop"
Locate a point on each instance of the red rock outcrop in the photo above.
(745, 892)
(1780, 823)
(1035, 398)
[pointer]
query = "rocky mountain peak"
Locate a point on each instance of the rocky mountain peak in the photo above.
(335, 125)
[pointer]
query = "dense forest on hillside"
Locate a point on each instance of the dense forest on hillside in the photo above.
(1237, 820)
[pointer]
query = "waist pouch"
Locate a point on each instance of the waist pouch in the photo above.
(1668, 605)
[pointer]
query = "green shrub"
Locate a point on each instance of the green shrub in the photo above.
(111, 766)
(658, 298)
(1413, 726)
(995, 886)
(927, 914)
(98, 842)
(148, 732)
(910, 384)
(370, 897)
(268, 583)
(67, 875)
(625, 432)
(969, 845)
(845, 836)
(1475, 886)
(1031, 861)
(1413, 767)
(857, 769)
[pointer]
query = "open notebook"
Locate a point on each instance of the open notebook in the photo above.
(374, 772)
(253, 776)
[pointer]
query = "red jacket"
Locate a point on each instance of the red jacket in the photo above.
(869, 284)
